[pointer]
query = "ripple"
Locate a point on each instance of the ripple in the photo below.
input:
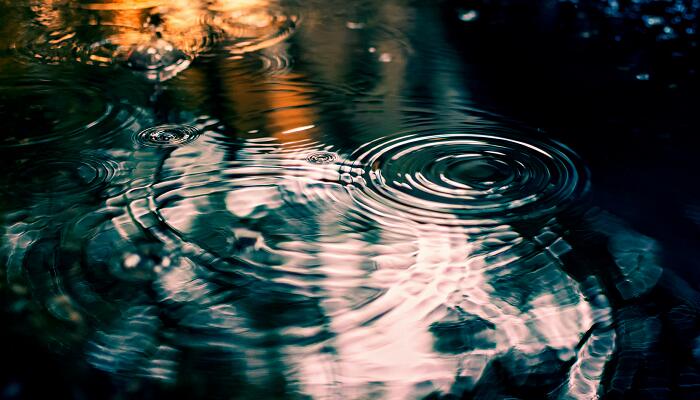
(217, 249)
(274, 60)
(41, 111)
(156, 60)
(57, 176)
(321, 158)
(142, 51)
(153, 38)
(463, 179)
(245, 28)
(117, 5)
(167, 135)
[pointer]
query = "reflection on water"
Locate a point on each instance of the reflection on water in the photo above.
(155, 38)
(319, 215)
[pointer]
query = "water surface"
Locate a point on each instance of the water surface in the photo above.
(365, 199)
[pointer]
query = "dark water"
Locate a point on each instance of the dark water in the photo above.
(349, 199)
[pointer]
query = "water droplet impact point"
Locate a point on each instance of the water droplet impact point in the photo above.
(321, 157)
(167, 135)
(463, 179)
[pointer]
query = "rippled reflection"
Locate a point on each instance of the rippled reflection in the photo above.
(470, 178)
(37, 110)
(242, 244)
(320, 215)
(157, 39)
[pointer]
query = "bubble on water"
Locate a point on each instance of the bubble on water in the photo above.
(167, 135)
(158, 60)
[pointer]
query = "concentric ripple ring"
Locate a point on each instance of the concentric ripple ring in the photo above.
(463, 179)
(38, 111)
(64, 177)
(321, 157)
(167, 135)
(156, 39)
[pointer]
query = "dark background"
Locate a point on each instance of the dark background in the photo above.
(622, 93)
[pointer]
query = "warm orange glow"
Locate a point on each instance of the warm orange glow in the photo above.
(190, 27)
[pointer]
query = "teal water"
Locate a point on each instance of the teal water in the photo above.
(399, 199)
